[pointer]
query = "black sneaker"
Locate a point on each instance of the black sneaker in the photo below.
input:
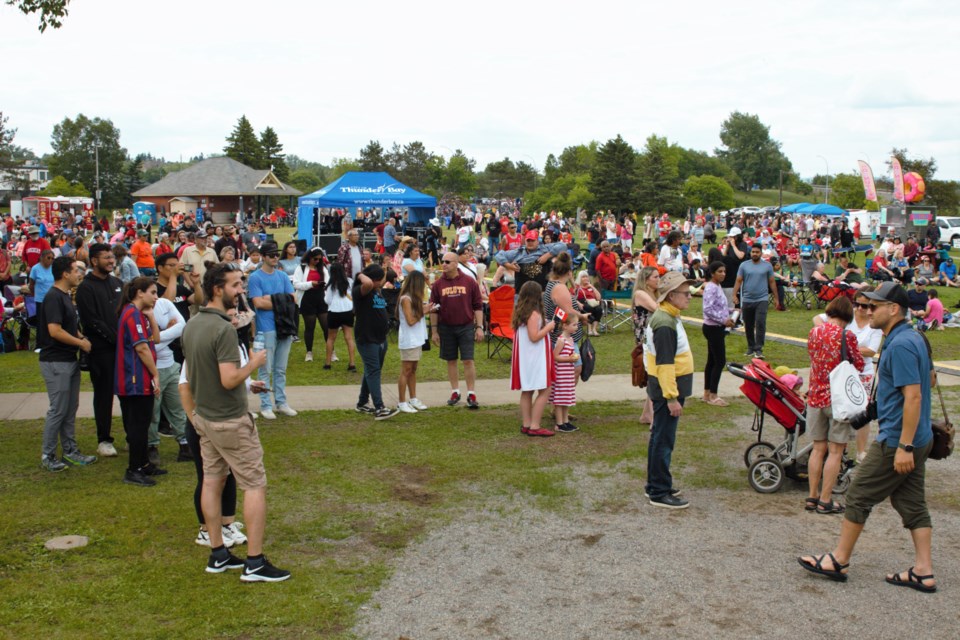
(152, 470)
(184, 455)
(266, 572)
(673, 492)
(472, 401)
(759, 354)
(384, 413)
(138, 479)
(454, 398)
(225, 562)
(669, 502)
(153, 455)
(566, 428)
(365, 408)
(165, 430)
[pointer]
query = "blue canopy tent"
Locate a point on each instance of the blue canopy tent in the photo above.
(792, 208)
(360, 189)
(822, 210)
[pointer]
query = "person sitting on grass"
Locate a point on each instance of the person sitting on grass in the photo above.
(531, 367)
(932, 316)
(947, 274)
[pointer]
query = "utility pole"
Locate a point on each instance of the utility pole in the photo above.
(96, 156)
(827, 196)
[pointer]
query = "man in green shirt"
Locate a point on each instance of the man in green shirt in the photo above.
(229, 442)
(849, 273)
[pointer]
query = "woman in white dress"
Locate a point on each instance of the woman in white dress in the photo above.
(532, 362)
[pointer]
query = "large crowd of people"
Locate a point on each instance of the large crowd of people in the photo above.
(175, 325)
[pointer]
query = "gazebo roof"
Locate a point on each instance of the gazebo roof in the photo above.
(218, 177)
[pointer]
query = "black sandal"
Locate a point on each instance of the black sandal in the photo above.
(834, 574)
(913, 581)
(811, 504)
(828, 508)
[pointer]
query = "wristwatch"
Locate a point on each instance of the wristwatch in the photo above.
(906, 447)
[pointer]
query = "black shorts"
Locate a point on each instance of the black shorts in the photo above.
(313, 302)
(337, 319)
(456, 339)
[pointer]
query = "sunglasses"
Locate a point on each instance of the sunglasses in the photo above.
(272, 254)
(873, 305)
(448, 261)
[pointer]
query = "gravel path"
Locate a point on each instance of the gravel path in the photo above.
(610, 566)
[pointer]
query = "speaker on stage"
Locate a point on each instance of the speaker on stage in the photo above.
(301, 247)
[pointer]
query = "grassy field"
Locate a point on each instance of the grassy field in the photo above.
(347, 496)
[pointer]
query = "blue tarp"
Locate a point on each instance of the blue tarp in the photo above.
(792, 208)
(822, 210)
(356, 189)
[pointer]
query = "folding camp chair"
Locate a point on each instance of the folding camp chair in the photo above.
(500, 327)
(616, 309)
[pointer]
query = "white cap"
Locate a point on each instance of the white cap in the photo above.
(734, 231)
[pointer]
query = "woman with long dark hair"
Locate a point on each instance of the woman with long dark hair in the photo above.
(339, 314)
(137, 380)
(309, 284)
(716, 320)
(413, 333)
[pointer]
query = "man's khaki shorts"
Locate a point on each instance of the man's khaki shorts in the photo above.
(821, 426)
(233, 445)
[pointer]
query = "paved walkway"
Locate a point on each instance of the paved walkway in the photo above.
(604, 388)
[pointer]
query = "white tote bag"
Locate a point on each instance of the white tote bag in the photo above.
(848, 397)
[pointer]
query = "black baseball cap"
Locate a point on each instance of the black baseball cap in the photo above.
(889, 292)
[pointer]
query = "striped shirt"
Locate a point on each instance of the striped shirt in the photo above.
(563, 392)
(132, 378)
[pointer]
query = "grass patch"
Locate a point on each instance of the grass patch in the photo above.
(346, 496)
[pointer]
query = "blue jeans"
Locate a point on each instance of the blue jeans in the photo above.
(663, 437)
(372, 354)
(278, 352)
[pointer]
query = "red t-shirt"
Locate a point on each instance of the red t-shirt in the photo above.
(32, 250)
(607, 266)
(458, 298)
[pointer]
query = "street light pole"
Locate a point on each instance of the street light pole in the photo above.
(827, 197)
(96, 195)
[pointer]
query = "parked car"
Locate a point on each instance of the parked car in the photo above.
(751, 211)
(949, 228)
(771, 210)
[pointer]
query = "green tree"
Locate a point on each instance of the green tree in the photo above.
(458, 175)
(296, 163)
(133, 177)
(304, 180)
(699, 163)
(411, 164)
(751, 152)
(243, 145)
(342, 166)
(273, 154)
(578, 159)
(615, 176)
(60, 186)
(944, 194)
(372, 157)
(499, 178)
(8, 160)
(846, 191)
(78, 144)
(52, 12)
(524, 178)
(708, 191)
(658, 185)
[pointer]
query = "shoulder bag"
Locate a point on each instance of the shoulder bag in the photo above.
(848, 398)
(943, 430)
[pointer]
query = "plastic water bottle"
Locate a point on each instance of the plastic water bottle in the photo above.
(258, 341)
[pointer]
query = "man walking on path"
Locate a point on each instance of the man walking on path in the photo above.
(457, 319)
(754, 285)
(229, 441)
(896, 461)
(98, 297)
(264, 284)
(59, 338)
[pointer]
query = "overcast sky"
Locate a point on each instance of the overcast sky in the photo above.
(841, 80)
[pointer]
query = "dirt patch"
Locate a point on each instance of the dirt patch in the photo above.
(409, 483)
(590, 540)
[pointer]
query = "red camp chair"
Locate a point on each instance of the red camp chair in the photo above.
(500, 332)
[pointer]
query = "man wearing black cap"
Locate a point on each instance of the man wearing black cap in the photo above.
(895, 463)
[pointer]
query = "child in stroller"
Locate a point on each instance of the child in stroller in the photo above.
(769, 465)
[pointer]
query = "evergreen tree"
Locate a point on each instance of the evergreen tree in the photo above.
(658, 188)
(614, 176)
(243, 146)
(133, 176)
(372, 157)
(273, 155)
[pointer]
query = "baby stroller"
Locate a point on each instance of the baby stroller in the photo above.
(769, 465)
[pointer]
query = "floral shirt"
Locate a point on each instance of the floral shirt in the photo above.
(823, 345)
(716, 311)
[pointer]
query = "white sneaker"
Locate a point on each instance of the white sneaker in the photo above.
(203, 539)
(106, 450)
(416, 404)
(334, 358)
(268, 414)
(405, 407)
(234, 533)
(308, 357)
(286, 410)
